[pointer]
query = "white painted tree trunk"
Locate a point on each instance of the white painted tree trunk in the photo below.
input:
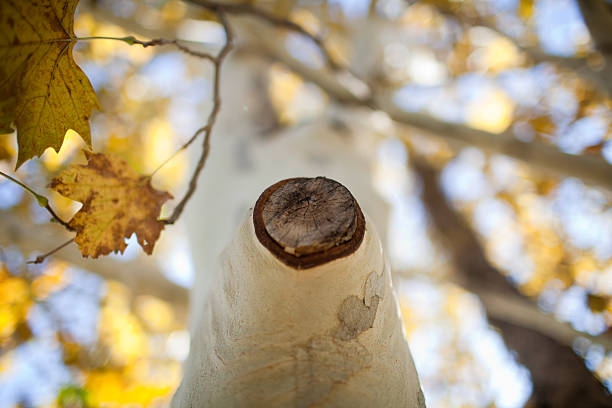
(273, 336)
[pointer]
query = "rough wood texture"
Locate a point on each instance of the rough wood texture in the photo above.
(305, 216)
(307, 222)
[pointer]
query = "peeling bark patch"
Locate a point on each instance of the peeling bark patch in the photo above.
(356, 317)
(374, 287)
(324, 362)
(329, 360)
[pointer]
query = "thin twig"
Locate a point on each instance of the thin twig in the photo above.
(177, 44)
(249, 9)
(182, 148)
(41, 258)
(42, 201)
(131, 40)
(212, 117)
(221, 10)
(57, 219)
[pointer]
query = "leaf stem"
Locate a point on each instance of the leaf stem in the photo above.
(42, 201)
(129, 39)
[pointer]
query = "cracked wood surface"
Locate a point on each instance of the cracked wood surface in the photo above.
(306, 216)
(306, 222)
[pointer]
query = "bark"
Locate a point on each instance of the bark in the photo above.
(306, 222)
(559, 376)
(245, 159)
(350, 91)
(274, 335)
(597, 16)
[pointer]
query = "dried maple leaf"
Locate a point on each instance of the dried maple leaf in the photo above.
(117, 202)
(42, 90)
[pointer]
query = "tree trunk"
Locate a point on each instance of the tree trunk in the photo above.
(246, 158)
(300, 311)
(560, 378)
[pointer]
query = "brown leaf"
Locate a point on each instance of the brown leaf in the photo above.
(117, 202)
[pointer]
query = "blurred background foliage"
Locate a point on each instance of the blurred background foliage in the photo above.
(77, 333)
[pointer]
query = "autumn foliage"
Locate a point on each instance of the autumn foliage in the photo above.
(43, 91)
(504, 221)
(117, 202)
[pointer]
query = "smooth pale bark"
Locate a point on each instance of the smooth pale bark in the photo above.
(245, 159)
(270, 335)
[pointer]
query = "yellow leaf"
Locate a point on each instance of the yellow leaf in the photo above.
(6, 150)
(525, 9)
(42, 90)
(117, 202)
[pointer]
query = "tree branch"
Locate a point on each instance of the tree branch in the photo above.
(250, 10)
(548, 158)
(217, 62)
(175, 43)
(591, 169)
(212, 117)
(541, 341)
(597, 16)
(560, 377)
(600, 77)
(42, 201)
(41, 258)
